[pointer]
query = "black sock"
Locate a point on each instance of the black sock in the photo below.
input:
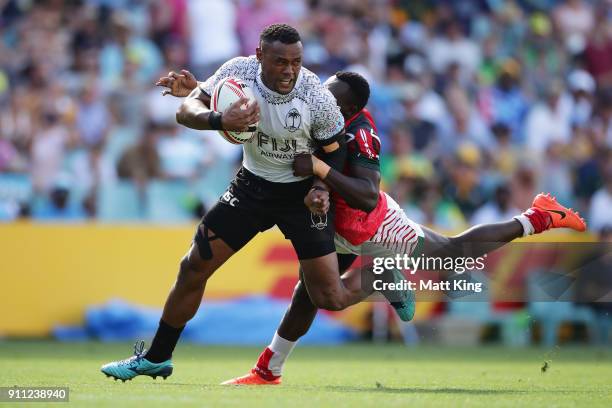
(163, 343)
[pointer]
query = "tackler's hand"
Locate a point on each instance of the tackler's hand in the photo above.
(317, 200)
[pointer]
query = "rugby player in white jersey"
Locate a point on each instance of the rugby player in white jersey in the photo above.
(295, 113)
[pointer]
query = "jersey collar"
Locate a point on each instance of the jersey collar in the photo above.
(352, 118)
(273, 96)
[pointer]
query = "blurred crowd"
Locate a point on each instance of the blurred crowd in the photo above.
(480, 104)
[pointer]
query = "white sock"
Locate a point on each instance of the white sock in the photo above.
(527, 227)
(281, 348)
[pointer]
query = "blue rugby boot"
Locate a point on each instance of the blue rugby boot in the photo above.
(404, 302)
(137, 365)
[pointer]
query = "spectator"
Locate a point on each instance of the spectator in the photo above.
(549, 121)
(598, 52)
(141, 162)
(555, 172)
(59, 207)
(439, 212)
(497, 210)
(93, 118)
(423, 131)
(574, 20)
(582, 87)
(451, 46)
(464, 185)
(169, 21)
(600, 215)
(542, 56)
(49, 147)
(463, 126)
(601, 123)
(127, 46)
(92, 169)
(181, 153)
(206, 59)
(429, 104)
(253, 17)
(505, 102)
(524, 185)
(9, 157)
(505, 154)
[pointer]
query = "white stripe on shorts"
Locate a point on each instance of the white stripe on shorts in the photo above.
(397, 234)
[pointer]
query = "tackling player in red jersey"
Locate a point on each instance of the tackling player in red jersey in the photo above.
(366, 214)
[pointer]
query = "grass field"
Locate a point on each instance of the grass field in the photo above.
(347, 376)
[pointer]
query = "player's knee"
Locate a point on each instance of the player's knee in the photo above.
(299, 291)
(331, 305)
(327, 300)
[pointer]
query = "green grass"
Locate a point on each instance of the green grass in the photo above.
(347, 376)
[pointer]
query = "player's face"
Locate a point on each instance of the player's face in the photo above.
(342, 93)
(280, 65)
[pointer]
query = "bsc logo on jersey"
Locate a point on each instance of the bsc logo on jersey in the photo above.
(293, 120)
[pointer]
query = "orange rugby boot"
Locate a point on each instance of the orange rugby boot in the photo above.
(560, 216)
(252, 378)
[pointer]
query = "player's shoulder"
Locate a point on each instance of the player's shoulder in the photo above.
(312, 91)
(361, 121)
(244, 68)
(361, 136)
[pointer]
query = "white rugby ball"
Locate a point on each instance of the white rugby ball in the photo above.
(228, 91)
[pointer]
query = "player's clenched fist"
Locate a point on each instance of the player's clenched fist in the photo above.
(240, 115)
(317, 201)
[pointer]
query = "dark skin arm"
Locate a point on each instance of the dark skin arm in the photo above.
(195, 109)
(360, 190)
(317, 199)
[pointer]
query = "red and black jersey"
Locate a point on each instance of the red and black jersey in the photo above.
(363, 147)
(362, 143)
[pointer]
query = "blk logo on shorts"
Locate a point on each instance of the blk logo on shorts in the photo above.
(318, 221)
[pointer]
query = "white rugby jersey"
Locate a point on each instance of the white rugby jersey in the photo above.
(287, 123)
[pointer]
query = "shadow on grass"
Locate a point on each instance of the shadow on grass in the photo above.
(421, 390)
(376, 389)
(343, 389)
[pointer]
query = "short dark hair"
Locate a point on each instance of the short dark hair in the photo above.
(280, 32)
(359, 87)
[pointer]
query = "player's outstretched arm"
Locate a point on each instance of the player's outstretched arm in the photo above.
(178, 84)
(195, 113)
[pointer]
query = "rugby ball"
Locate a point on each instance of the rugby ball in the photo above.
(228, 91)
